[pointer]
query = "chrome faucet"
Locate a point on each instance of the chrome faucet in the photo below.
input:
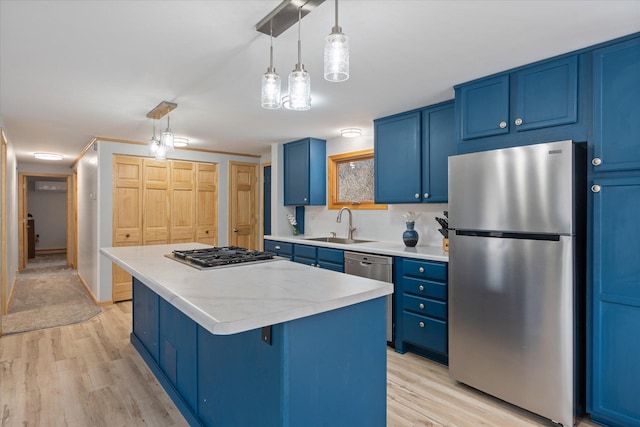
(339, 219)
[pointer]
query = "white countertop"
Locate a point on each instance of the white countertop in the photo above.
(432, 253)
(243, 297)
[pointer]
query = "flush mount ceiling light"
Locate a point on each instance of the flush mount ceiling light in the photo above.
(351, 132)
(271, 84)
(336, 54)
(159, 147)
(180, 142)
(48, 156)
(299, 79)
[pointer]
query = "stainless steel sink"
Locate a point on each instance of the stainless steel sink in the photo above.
(338, 240)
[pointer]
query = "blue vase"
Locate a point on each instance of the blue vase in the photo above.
(410, 236)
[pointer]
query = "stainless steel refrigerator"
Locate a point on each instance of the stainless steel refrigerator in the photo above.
(516, 275)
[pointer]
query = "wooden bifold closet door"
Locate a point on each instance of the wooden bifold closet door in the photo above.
(160, 202)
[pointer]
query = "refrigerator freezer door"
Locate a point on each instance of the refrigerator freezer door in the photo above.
(514, 189)
(511, 321)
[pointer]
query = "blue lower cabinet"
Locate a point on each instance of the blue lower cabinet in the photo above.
(421, 308)
(614, 353)
(327, 258)
(239, 379)
(281, 249)
(178, 351)
(298, 379)
(145, 317)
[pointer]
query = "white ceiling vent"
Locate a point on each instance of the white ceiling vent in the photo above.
(51, 186)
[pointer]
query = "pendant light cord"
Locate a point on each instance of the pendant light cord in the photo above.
(271, 47)
(336, 15)
(299, 42)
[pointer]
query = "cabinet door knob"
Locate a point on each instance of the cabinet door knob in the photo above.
(596, 161)
(421, 306)
(277, 247)
(421, 324)
(235, 230)
(206, 232)
(426, 195)
(421, 287)
(417, 195)
(518, 121)
(305, 200)
(503, 125)
(127, 235)
(421, 269)
(595, 188)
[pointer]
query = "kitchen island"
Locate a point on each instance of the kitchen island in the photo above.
(271, 344)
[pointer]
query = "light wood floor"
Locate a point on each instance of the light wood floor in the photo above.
(90, 375)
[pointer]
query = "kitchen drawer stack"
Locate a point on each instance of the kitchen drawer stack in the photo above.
(421, 304)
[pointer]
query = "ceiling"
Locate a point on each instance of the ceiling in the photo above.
(73, 70)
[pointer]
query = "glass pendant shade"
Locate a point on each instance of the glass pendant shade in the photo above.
(160, 152)
(336, 56)
(166, 137)
(271, 89)
(299, 89)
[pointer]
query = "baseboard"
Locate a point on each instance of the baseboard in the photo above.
(93, 297)
(51, 251)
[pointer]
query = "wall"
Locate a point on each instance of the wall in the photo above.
(87, 206)
(101, 217)
(49, 210)
(11, 255)
(381, 225)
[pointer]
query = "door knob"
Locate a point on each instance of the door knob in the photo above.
(235, 230)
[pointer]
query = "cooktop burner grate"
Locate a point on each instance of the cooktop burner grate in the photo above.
(219, 256)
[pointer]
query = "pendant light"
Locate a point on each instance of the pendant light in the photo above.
(271, 84)
(299, 80)
(155, 147)
(166, 137)
(336, 54)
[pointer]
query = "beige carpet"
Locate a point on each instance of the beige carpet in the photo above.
(47, 294)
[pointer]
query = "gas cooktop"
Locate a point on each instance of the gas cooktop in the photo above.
(224, 256)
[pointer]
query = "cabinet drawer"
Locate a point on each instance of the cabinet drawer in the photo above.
(425, 306)
(425, 288)
(425, 269)
(278, 248)
(331, 266)
(304, 251)
(425, 332)
(304, 260)
(331, 255)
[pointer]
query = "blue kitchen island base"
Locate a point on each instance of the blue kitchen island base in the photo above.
(327, 369)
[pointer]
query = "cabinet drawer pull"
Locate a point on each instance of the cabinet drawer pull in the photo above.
(596, 161)
(417, 195)
(421, 324)
(277, 247)
(503, 125)
(421, 287)
(518, 121)
(421, 306)
(421, 269)
(595, 188)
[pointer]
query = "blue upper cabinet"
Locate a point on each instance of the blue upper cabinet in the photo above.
(305, 172)
(616, 113)
(484, 107)
(410, 155)
(504, 110)
(397, 164)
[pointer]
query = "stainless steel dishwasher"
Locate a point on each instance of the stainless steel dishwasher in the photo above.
(376, 267)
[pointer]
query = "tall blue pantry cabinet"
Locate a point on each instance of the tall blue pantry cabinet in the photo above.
(614, 307)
